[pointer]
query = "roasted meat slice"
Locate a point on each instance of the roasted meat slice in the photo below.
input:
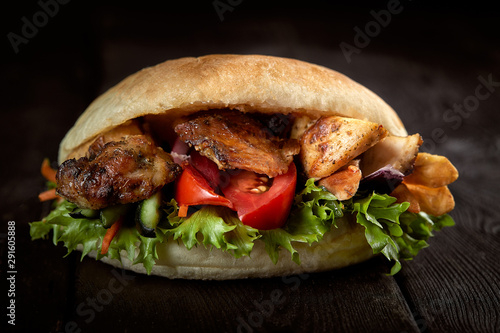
(432, 171)
(426, 188)
(435, 201)
(344, 183)
(403, 194)
(333, 141)
(116, 172)
(400, 152)
(234, 140)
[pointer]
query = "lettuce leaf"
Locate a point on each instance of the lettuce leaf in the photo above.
(147, 251)
(90, 233)
(312, 215)
(214, 226)
(380, 217)
(314, 212)
(40, 230)
(276, 239)
(389, 229)
(209, 224)
(71, 231)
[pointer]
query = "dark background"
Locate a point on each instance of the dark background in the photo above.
(426, 62)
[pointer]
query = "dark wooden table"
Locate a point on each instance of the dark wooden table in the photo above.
(439, 67)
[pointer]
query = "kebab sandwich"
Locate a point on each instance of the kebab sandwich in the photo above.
(239, 166)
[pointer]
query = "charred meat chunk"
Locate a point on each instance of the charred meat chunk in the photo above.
(234, 140)
(116, 172)
(333, 141)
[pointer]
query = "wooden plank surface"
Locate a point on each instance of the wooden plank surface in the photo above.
(422, 70)
(316, 302)
(454, 286)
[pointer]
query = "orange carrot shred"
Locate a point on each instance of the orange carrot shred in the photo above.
(47, 171)
(48, 195)
(183, 209)
(110, 234)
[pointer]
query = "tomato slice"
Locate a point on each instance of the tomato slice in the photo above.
(192, 189)
(259, 205)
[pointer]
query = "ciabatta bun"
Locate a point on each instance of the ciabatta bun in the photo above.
(249, 83)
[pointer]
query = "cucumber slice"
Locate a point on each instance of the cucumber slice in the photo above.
(111, 214)
(84, 213)
(148, 215)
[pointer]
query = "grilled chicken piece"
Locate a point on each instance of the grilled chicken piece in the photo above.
(435, 201)
(300, 125)
(333, 141)
(426, 187)
(432, 171)
(403, 194)
(344, 182)
(400, 152)
(116, 172)
(236, 141)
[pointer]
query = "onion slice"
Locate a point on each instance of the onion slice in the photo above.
(383, 180)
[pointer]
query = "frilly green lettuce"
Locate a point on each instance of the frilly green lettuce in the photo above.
(389, 229)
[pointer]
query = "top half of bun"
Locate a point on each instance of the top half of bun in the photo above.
(245, 82)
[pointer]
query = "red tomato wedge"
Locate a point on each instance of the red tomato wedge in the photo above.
(259, 205)
(192, 189)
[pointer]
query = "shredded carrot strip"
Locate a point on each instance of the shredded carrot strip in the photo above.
(183, 209)
(110, 234)
(48, 195)
(47, 171)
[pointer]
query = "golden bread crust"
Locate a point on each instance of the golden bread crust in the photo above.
(245, 82)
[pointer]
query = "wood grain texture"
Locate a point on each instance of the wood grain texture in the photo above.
(454, 285)
(349, 300)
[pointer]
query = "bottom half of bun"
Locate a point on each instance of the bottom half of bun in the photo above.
(342, 246)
